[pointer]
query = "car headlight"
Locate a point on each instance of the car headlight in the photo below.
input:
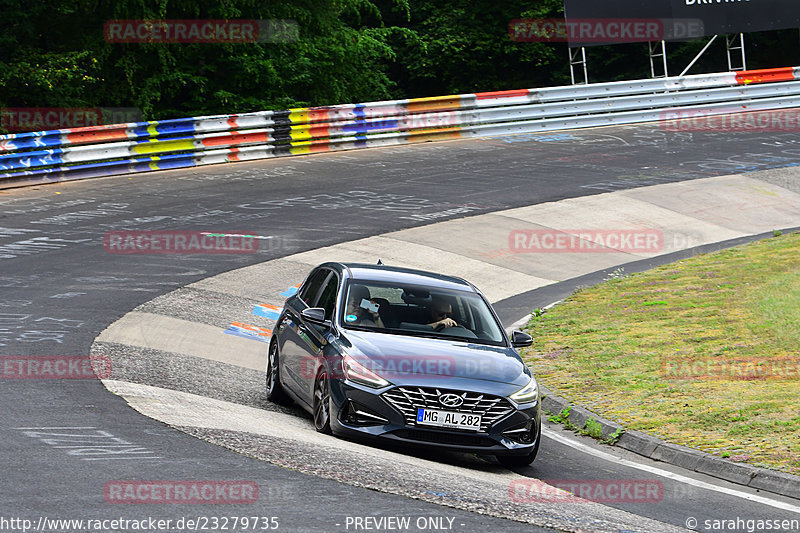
(358, 373)
(528, 393)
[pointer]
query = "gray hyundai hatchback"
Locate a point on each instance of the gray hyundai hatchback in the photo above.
(408, 356)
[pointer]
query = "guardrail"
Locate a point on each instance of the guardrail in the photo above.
(57, 155)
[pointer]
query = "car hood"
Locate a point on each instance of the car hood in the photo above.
(391, 356)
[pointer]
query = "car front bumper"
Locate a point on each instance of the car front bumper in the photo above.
(364, 414)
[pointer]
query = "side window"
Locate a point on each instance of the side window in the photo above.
(310, 289)
(327, 300)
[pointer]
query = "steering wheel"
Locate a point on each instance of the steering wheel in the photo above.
(440, 327)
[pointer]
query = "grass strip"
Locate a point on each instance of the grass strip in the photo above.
(704, 352)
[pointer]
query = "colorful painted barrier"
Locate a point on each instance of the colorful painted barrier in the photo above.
(57, 155)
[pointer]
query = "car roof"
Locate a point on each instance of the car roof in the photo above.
(370, 272)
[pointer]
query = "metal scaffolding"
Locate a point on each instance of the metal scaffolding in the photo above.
(734, 46)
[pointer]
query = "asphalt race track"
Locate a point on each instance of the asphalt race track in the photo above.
(61, 289)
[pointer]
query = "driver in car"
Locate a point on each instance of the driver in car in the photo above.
(439, 312)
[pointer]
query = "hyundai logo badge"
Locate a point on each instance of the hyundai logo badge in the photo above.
(451, 400)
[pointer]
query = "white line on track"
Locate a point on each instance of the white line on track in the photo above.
(667, 474)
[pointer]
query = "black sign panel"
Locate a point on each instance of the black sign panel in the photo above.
(592, 21)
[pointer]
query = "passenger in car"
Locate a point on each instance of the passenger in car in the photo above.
(359, 314)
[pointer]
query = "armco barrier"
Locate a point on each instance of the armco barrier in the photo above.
(57, 155)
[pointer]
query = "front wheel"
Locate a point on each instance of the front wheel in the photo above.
(275, 392)
(322, 403)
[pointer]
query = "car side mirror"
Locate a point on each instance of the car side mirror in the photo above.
(520, 339)
(315, 315)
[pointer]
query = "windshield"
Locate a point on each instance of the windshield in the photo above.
(422, 311)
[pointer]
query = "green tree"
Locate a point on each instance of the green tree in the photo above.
(464, 46)
(55, 54)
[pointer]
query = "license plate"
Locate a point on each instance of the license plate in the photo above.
(448, 419)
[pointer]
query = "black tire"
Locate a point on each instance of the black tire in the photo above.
(275, 392)
(322, 403)
(521, 461)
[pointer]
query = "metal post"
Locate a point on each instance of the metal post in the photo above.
(574, 60)
(730, 45)
(654, 54)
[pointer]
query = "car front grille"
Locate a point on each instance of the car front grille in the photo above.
(408, 399)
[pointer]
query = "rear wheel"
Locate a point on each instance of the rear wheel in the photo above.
(322, 403)
(275, 392)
